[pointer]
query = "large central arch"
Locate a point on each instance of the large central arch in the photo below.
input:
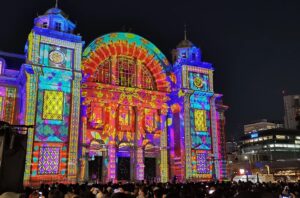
(131, 45)
(125, 93)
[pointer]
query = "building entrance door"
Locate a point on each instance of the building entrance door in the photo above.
(123, 168)
(150, 168)
(95, 168)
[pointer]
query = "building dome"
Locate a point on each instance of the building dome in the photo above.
(55, 19)
(55, 11)
(185, 44)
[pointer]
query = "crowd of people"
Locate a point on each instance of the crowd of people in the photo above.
(167, 190)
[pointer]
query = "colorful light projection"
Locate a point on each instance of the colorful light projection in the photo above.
(200, 129)
(51, 75)
(56, 56)
(201, 165)
(29, 119)
(125, 119)
(199, 81)
(126, 45)
(8, 102)
(49, 160)
(150, 120)
(1, 65)
(53, 108)
(53, 105)
(126, 70)
(200, 120)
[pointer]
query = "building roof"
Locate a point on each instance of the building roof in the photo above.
(12, 60)
(185, 44)
(276, 131)
(55, 11)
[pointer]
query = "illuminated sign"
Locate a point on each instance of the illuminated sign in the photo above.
(254, 135)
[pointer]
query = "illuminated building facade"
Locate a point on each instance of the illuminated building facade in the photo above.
(119, 110)
(277, 148)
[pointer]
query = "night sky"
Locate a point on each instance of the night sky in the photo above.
(254, 45)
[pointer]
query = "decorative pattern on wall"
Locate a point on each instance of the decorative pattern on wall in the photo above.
(199, 81)
(52, 130)
(49, 160)
(8, 102)
(129, 45)
(200, 120)
(53, 105)
(201, 165)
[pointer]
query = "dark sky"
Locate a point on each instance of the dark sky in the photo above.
(254, 45)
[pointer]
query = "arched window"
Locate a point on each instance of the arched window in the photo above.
(147, 79)
(102, 74)
(126, 72)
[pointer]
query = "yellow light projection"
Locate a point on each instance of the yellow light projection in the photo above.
(53, 105)
(125, 118)
(200, 120)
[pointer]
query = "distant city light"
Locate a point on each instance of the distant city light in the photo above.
(242, 171)
(254, 135)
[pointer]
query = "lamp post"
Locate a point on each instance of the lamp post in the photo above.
(268, 169)
(249, 166)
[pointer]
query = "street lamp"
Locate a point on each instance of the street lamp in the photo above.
(268, 169)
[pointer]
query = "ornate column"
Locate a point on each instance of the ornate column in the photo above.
(215, 140)
(74, 128)
(31, 98)
(104, 165)
(111, 161)
(111, 165)
(84, 158)
(139, 152)
(187, 137)
(164, 169)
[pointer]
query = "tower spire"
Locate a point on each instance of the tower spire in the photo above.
(185, 37)
(56, 3)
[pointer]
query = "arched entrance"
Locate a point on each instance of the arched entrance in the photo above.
(125, 98)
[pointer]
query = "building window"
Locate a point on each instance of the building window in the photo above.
(58, 26)
(183, 54)
(45, 24)
(193, 56)
(280, 137)
(200, 120)
(125, 118)
(53, 105)
(126, 72)
(265, 138)
(102, 74)
(49, 161)
(147, 80)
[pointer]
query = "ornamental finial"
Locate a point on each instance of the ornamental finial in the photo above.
(185, 37)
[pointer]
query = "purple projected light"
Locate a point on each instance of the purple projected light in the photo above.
(49, 160)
